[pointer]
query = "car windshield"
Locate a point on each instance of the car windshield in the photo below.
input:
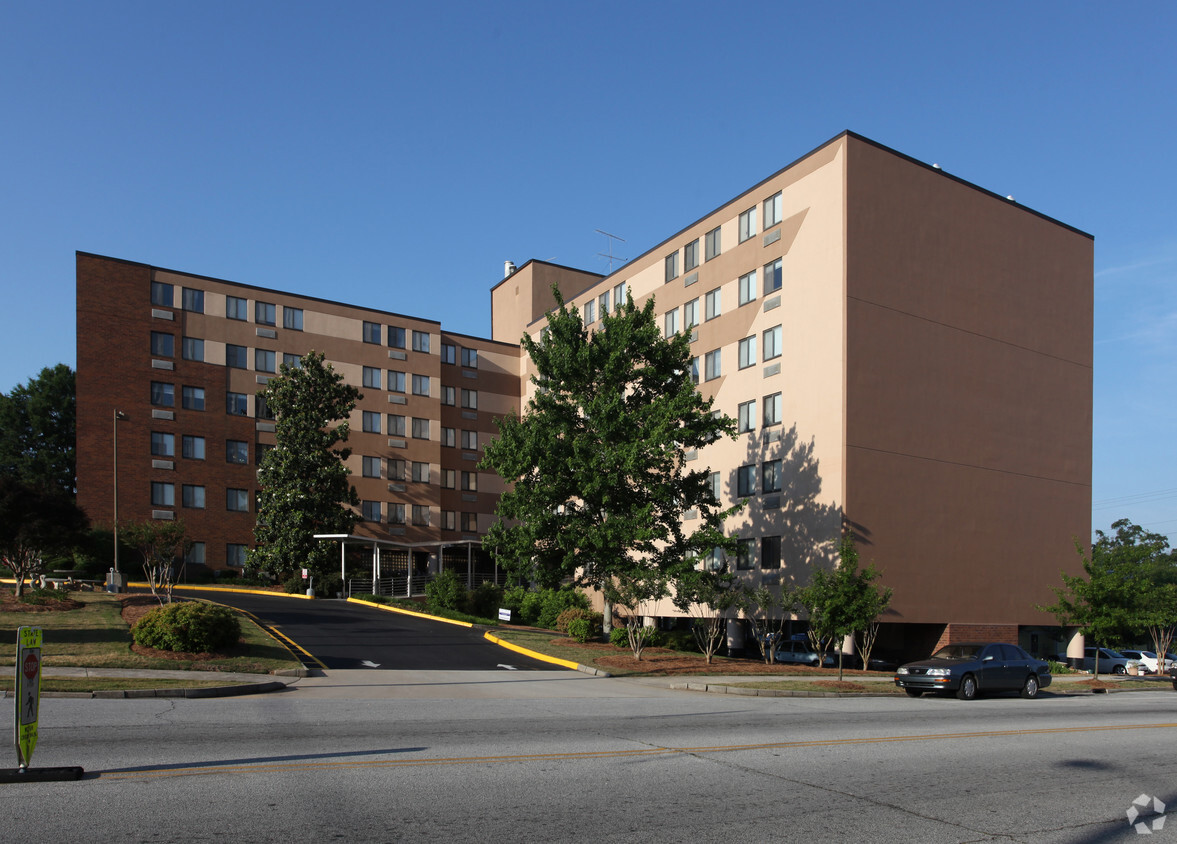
(957, 652)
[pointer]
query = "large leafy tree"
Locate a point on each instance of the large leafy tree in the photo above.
(38, 429)
(36, 521)
(304, 486)
(1122, 594)
(599, 480)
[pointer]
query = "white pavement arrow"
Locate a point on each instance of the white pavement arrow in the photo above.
(370, 664)
(508, 667)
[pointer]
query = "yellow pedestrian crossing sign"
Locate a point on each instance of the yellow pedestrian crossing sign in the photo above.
(28, 691)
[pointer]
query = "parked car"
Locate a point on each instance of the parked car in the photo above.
(799, 653)
(1110, 662)
(878, 662)
(971, 668)
(1148, 659)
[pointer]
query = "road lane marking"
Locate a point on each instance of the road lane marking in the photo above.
(212, 768)
(273, 630)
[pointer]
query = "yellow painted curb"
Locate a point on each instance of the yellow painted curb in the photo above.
(533, 654)
(409, 612)
(241, 589)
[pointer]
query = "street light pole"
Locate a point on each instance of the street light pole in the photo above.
(118, 414)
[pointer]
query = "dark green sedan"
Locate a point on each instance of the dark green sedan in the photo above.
(972, 668)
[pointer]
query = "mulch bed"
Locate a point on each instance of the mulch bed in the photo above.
(9, 603)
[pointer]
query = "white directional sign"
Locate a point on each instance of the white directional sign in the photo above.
(28, 691)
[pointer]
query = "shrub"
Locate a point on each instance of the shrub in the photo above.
(513, 600)
(190, 627)
(572, 614)
(555, 601)
(582, 629)
(446, 592)
(485, 600)
(619, 636)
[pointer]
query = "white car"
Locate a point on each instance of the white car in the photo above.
(1148, 659)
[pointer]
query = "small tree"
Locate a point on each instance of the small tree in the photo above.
(708, 596)
(161, 544)
(35, 521)
(768, 613)
(304, 487)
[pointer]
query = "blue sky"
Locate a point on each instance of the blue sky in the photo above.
(395, 154)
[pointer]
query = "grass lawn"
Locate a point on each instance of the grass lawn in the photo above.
(96, 636)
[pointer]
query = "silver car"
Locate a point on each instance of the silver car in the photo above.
(1110, 662)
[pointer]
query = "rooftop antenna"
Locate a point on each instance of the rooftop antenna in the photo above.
(609, 254)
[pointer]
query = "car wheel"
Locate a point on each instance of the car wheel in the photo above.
(918, 692)
(1119, 669)
(968, 687)
(1030, 688)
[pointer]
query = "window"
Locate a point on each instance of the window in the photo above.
(748, 224)
(470, 481)
(449, 437)
(772, 210)
(263, 360)
(421, 341)
(370, 511)
(449, 520)
(772, 409)
(671, 323)
(420, 385)
(772, 476)
(192, 496)
(716, 486)
(746, 481)
(235, 308)
(195, 554)
(470, 358)
(711, 243)
(712, 304)
(396, 337)
(163, 395)
(744, 550)
(236, 404)
(449, 479)
(235, 554)
(396, 381)
(237, 451)
(163, 445)
(695, 369)
(264, 313)
(690, 314)
(748, 352)
(371, 377)
(396, 469)
(603, 303)
(293, 361)
(421, 514)
(590, 312)
(470, 440)
(772, 343)
(371, 422)
(194, 300)
(470, 399)
(292, 318)
(162, 345)
(371, 467)
(163, 494)
(619, 296)
(712, 366)
(672, 266)
(420, 472)
(449, 353)
(470, 522)
(747, 287)
(691, 255)
(192, 398)
(420, 428)
(772, 276)
(770, 552)
(192, 447)
(371, 332)
(193, 348)
(396, 425)
(236, 356)
(237, 500)
(449, 396)
(396, 514)
(746, 416)
(161, 294)
(261, 408)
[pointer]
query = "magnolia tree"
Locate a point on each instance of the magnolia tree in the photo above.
(598, 480)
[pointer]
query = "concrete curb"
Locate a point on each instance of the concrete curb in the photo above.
(176, 692)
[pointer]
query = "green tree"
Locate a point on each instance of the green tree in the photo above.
(708, 596)
(161, 544)
(1120, 596)
(38, 430)
(304, 486)
(768, 612)
(36, 520)
(842, 602)
(597, 465)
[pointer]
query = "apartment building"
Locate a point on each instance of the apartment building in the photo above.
(907, 356)
(180, 357)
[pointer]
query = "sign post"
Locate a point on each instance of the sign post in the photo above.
(28, 692)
